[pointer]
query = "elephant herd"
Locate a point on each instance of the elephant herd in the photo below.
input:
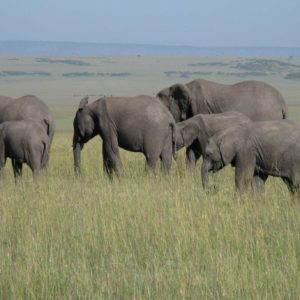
(243, 124)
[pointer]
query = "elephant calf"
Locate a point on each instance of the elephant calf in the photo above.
(195, 132)
(257, 150)
(23, 142)
(138, 124)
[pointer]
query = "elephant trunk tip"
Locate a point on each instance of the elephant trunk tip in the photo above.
(77, 171)
(76, 151)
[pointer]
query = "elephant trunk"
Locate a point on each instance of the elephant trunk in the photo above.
(205, 168)
(76, 152)
(173, 129)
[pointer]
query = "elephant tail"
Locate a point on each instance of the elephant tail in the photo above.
(173, 129)
(45, 154)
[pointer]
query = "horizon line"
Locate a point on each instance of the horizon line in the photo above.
(142, 44)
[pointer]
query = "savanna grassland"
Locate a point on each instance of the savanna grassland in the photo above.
(141, 236)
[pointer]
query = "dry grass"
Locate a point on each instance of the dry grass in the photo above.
(143, 236)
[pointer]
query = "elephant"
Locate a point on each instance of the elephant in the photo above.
(28, 107)
(257, 100)
(256, 150)
(137, 124)
(23, 142)
(195, 131)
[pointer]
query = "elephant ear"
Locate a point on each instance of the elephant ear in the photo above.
(189, 133)
(182, 95)
(163, 94)
(227, 150)
(84, 101)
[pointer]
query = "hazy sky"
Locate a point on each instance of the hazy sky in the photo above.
(189, 22)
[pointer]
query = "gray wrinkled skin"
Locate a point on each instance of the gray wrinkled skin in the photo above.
(28, 107)
(257, 150)
(194, 132)
(138, 124)
(257, 100)
(23, 142)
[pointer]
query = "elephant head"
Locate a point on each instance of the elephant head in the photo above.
(222, 148)
(186, 133)
(178, 100)
(84, 130)
(213, 159)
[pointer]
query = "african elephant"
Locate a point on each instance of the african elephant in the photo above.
(195, 132)
(255, 99)
(23, 142)
(257, 150)
(138, 124)
(28, 107)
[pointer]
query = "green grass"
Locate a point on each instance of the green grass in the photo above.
(143, 236)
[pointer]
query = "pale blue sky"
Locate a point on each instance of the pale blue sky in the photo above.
(189, 22)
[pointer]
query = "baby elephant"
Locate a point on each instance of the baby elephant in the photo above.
(23, 142)
(195, 132)
(257, 150)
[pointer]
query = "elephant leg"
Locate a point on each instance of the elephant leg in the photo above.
(155, 148)
(259, 181)
(166, 161)
(192, 156)
(35, 161)
(151, 161)
(244, 172)
(166, 156)
(111, 159)
(152, 155)
(17, 167)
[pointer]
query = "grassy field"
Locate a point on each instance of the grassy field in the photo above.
(140, 236)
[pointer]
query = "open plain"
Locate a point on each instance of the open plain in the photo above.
(141, 236)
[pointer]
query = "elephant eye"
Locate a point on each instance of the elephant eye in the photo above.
(208, 153)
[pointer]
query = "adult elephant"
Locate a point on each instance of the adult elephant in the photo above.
(137, 124)
(255, 99)
(28, 107)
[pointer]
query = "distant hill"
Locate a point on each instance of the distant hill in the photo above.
(31, 48)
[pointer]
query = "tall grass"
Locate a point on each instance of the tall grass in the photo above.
(143, 236)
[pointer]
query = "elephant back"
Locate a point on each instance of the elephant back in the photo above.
(4, 100)
(27, 107)
(256, 99)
